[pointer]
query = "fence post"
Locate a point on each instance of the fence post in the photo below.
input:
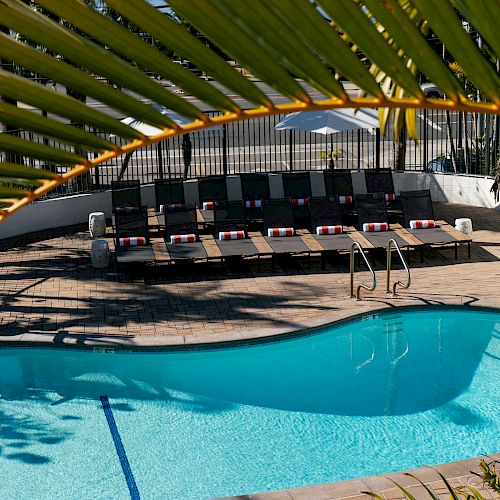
(424, 139)
(224, 149)
(291, 149)
(159, 154)
(377, 148)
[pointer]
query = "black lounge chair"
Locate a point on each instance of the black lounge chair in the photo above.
(372, 209)
(125, 195)
(381, 181)
(231, 216)
(338, 183)
(417, 205)
(326, 212)
(211, 189)
(183, 222)
(278, 214)
(254, 187)
(297, 185)
(131, 225)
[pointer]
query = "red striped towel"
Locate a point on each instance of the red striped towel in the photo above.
(126, 208)
(329, 230)
(344, 200)
(390, 197)
(170, 207)
(182, 238)
(375, 227)
(422, 224)
(132, 241)
(280, 231)
(212, 205)
(253, 203)
(231, 235)
(300, 202)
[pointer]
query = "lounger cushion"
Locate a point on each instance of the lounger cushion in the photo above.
(345, 200)
(182, 238)
(329, 230)
(422, 224)
(375, 227)
(132, 241)
(300, 202)
(171, 207)
(231, 235)
(253, 203)
(280, 231)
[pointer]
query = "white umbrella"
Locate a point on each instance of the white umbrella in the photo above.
(329, 121)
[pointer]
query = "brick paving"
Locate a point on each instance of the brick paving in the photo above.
(49, 292)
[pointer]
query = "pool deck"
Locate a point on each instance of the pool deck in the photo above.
(51, 295)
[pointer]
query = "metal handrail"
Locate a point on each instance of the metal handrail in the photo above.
(351, 265)
(392, 242)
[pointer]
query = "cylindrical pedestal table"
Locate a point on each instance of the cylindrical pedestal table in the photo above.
(99, 254)
(464, 225)
(97, 224)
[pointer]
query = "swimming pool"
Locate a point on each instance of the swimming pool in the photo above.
(373, 395)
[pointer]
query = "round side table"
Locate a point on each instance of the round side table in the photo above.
(99, 254)
(97, 224)
(463, 225)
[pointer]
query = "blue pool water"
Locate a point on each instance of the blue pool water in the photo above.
(385, 393)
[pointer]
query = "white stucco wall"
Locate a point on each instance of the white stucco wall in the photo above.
(58, 212)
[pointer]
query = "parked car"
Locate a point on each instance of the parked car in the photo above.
(444, 165)
(431, 90)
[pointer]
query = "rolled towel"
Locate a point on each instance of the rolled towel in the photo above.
(345, 200)
(300, 202)
(329, 230)
(375, 227)
(231, 235)
(170, 207)
(390, 197)
(212, 205)
(132, 241)
(280, 231)
(422, 224)
(182, 238)
(126, 208)
(253, 203)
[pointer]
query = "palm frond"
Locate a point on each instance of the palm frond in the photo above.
(285, 44)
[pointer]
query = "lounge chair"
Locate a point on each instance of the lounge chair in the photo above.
(338, 184)
(182, 239)
(132, 244)
(169, 197)
(297, 187)
(278, 214)
(211, 190)
(381, 181)
(372, 210)
(254, 190)
(326, 214)
(417, 206)
(231, 230)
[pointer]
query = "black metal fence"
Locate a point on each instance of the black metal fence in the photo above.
(448, 142)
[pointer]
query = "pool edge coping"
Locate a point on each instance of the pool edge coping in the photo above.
(131, 343)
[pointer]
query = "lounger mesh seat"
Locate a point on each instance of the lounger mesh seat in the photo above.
(130, 225)
(232, 217)
(298, 185)
(278, 213)
(326, 212)
(371, 208)
(211, 189)
(417, 205)
(179, 223)
(125, 194)
(339, 183)
(381, 181)
(254, 187)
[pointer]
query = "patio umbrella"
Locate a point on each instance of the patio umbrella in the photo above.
(329, 121)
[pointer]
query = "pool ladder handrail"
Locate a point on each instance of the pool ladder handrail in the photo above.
(351, 266)
(393, 242)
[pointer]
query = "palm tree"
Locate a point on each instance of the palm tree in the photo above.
(263, 36)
